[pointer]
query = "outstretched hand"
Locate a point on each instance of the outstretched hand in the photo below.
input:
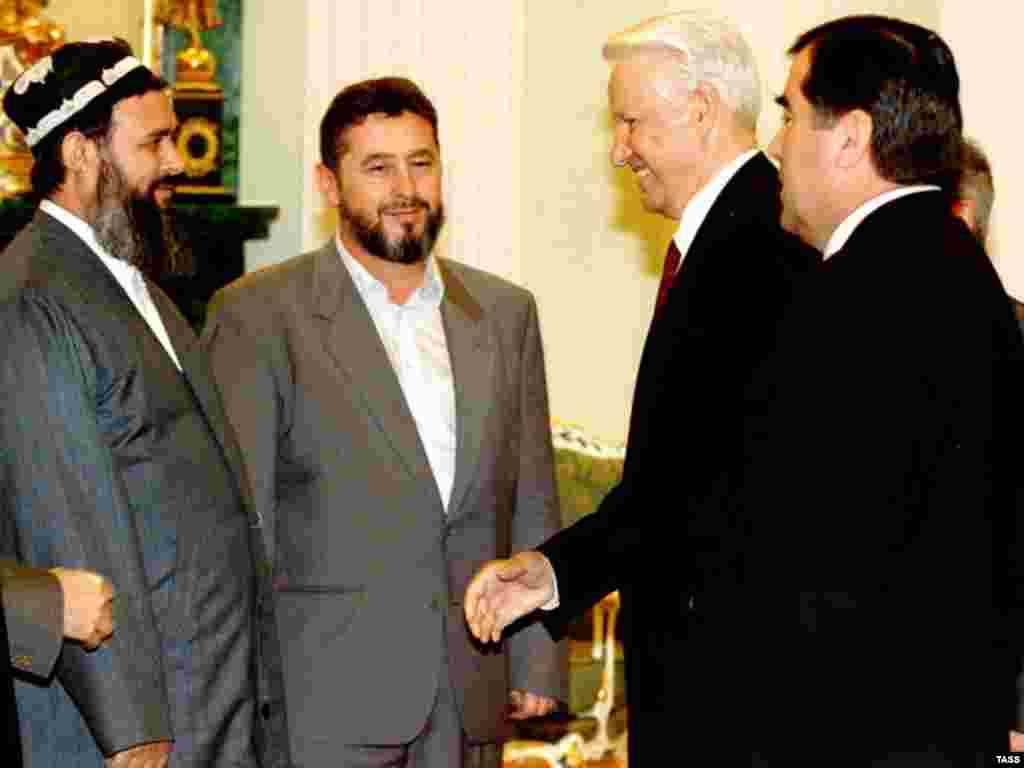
(506, 590)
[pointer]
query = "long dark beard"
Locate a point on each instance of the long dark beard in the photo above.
(135, 229)
(410, 249)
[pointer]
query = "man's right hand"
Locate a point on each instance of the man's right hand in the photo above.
(506, 590)
(153, 755)
(88, 606)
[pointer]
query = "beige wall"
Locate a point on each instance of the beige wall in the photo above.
(983, 37)
(520, 86)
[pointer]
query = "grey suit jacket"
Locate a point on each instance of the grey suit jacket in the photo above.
(368, 569)
(115, 461)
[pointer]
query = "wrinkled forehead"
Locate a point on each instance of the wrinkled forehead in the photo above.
(647, 77)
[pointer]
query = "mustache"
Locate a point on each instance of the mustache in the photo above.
(404, 204)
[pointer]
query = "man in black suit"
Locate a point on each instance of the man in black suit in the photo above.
(115, 453)
(880, 486)
(685, 96)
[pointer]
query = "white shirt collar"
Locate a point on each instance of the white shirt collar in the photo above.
(429, 294)
(843, 232)
(700, 204)
(126, 274)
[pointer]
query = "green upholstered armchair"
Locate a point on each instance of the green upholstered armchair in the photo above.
(586, 469)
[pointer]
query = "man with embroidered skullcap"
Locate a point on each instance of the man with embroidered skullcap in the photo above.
(116, 455)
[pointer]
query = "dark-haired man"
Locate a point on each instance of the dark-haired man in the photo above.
(393, 414)
(881, 480)
(116, 455)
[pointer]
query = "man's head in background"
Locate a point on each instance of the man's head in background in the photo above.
(976, 192)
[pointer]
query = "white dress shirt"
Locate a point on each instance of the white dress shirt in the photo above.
(127, 275)
(413, 336)
(843, 232)
(700, 204)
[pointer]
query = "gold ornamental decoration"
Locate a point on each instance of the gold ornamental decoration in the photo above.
(198, 99)
(25, 37)
(196, 66)
(199, 146)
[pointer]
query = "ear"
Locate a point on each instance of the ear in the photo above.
(327, 182)
(705, 106)
(853, 139)
(79, 154)
(965, 210)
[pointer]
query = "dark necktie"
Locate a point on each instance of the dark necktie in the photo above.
(668, 274)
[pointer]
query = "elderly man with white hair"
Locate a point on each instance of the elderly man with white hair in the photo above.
(685, 95)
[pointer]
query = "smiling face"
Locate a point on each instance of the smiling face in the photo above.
(655, 131)
(387, 188)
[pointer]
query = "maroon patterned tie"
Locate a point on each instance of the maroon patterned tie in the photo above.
(668, 274)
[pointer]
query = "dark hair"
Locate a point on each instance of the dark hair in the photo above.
(904, 77)
(390, 96)
(70, 60)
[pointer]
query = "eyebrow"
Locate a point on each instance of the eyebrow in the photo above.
(159, 133)
(379, 156)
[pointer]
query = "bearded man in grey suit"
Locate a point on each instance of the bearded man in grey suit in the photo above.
(116, 453)
(393, 414)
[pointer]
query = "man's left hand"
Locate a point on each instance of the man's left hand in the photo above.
(523, 704)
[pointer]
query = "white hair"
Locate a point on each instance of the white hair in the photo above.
(710, 50)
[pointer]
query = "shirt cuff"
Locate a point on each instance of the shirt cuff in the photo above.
(553, 603)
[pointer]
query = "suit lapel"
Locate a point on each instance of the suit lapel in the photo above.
(472, 359)
(756, 179)
(73, 256)
(352, 341)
